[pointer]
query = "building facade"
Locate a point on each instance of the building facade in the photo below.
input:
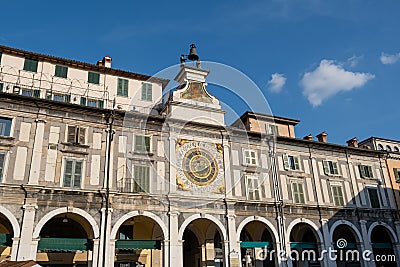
(97, 170)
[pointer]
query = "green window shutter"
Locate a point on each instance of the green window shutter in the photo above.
(141, 176)
(122, 87)
(93, 77)
(149, 91)
(285, 162)
(83, 101)
(396, 174)
(68, 173)
(30, 65)
(295, 192)
(335, 168)
(82, 132)
(77, 174)
(119, 87)
(100, 103)
(36, 93)
(48, 95)
(362, 171)
(61, 71)
(147, 143)
(301, 193)
(144, 91)
(71, 137)
(1, 87)
(370, 174)
(326, 167)
(2, 160)
(67, 98)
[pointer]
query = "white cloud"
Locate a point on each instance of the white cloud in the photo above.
(276, 83)
(389, 59)
(330, 78)
(354, 60)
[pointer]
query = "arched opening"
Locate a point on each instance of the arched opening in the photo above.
(348, 251)
(304, 246)
(203, 244)
(65, 240)
(256, 245)
(139, 242)
(6, 235)
(382, 246)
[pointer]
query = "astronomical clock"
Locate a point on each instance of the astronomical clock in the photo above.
(200, 166)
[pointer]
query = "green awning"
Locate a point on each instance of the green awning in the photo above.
(260, 244)
(64, 244)
(6, 240)
(308, 245)
(382, 245)
(137, 244)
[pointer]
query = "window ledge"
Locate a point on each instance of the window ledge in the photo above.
(75, 145)
(143, 153)
(7, 141)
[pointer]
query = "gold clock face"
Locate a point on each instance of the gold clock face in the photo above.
(199, 166)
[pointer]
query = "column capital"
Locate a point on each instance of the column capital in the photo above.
(30, 206)
(40, 120)
(363, 222)
(173, 213)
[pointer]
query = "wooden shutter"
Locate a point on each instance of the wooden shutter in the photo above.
(285, 161)
(326, 167)
(1, 87)
(119, 86)
(147, 143)
(362, 171)
(71, 135)
(2, 160)
(149, 92)
(67, 98)
(370, 174)
(139, 143)
(100, 103)
(83, 101)
(396, 174)
(82, 139)
(335, 168)
(68, 173)
(301, 193)
(77, 174)
(253, 158)
(296, 163)
(36, 93)
(295, 192)
(144, 94)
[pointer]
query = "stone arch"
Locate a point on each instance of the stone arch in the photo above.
(12, 219)
(308, 222)
(58, 211)
(269, 225)
(392, 233)
(135, 213)
(205, 216)
(352, 226)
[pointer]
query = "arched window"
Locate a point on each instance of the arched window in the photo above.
(396, 149)
(380, 147)
(388, 148)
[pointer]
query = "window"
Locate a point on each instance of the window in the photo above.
(396, 149)
(122, 87)
(1, 87)
(142, 178)
(61, 71)
(147, 91)
(396, 174)
(93, 77)
(374, 197)
(250, 157)
(365, 171)
(380, 147)
(388, 148)
(291, 163)
(330, 167)
(252, 188)
(337, 195)
(142, 143)
(76, 135)
(72, 173)
(272, 129)
(26, 92)
(92, 102)
(5, 126)
(298, 193)
(2, 161)
(30, 65)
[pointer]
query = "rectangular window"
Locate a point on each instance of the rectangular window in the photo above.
(93, 77)
(374, 197)
(30, 65)
(337, 195)
(1, 87)
(142, 143)
(61, 71)
(73, 173)
(291, 162)
(147, 91)
(298, 193)
(272, 129)
(252, 188)
(122, 87)
(142, 178)
(396, 174)
(250, 157)
(26, 92)
(365, 171)
(91, 103)
(76, 135)
(330, 167)
(2, 162)
(5, 126)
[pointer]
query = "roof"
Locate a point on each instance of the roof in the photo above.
(379, 138)
(80, 65)
(266, 117)
(19, 264)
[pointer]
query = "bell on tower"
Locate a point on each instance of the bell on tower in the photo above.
(193, 56)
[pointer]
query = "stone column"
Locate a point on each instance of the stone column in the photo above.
(327, 243)
(37, 153)
(27, 248)
(367, 244)
(95, 255)
(14, 248)
(110, 246)
(234, 246)
(166, 248)
(175, 249)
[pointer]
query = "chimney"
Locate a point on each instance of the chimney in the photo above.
(308, 137)
(107, 61)
(353, 142)
(99, 63)
(322, 137)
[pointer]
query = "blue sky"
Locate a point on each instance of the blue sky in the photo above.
(332, 64)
